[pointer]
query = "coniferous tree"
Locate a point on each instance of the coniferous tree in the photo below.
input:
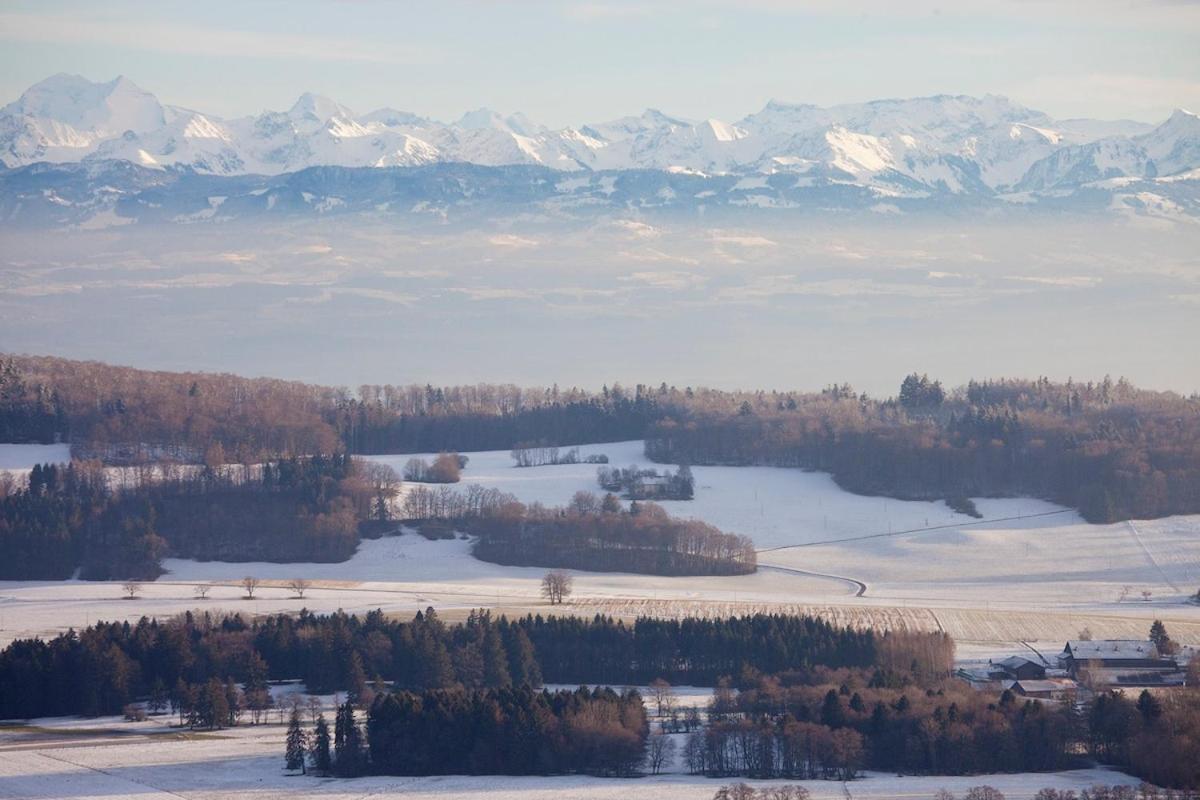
(297, 743)
(321, 758)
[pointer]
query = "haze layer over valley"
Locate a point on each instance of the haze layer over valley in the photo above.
(801, 301)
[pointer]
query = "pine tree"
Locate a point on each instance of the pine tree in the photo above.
(322, 762)
(297, 743)
(348, 744)
(495, 660)
(1158, 635)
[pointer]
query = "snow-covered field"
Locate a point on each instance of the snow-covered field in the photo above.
(1029, 572)
(110, 759)
(1025, 579)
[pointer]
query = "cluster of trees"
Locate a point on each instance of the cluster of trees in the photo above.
(543, 453)
(598, 535)
(296, 509)
(29, 413)
(1156, 737)
(691, 651)
(508, 731)
(802, 725)
(1108, 449)
(101, 669)
(445, 468)
(742, 791)
(787, 749)
(648, 484)
(590, 533)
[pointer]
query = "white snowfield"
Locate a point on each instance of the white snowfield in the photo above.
(1030, 575)
(113, 760)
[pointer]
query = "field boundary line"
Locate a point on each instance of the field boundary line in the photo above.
(1137, 537)
(866, 536)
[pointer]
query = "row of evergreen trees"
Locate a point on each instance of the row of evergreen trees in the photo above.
(101, 669)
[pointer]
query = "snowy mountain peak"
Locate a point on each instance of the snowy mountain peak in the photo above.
(318, 108)
(393, 118)
(487, 119)
(105, 108)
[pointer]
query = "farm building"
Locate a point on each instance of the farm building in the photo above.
(1049, 689)
(1119, 662)
(1020, 668)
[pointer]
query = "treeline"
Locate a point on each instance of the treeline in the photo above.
(1108, 449)
(508, 731)
(590, 533)
(101, 669)
(298, 509)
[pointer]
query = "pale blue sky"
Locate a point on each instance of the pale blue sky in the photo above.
(576, 62)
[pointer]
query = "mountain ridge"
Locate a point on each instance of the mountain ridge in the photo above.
(896, 150)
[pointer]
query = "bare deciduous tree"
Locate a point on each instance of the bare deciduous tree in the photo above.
(556, 586)
(660, 751)
(131, 588)
(250, 583)
(201, 590)
(299, 586)
(664, 697)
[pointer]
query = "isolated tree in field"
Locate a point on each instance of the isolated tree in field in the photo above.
(131, 588)
(297, 743)
(250, 583)
(660, 751)
(314, 707)
(201, 590)
(321, 758)
(556, 586)
(299, 586)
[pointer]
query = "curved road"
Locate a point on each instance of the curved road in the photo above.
(859, 586)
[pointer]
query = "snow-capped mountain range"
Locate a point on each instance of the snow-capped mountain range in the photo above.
(894, 150)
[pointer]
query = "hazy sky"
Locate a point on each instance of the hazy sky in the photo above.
(574, 62)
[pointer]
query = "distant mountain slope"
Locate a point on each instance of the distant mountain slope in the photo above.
(895, 154)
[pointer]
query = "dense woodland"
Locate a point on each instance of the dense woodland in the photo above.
(1107, 448)
(507, 731)
(297, 509)
(99, 670)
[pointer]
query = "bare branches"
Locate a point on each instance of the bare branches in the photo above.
(299, 586)
(556, 586)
